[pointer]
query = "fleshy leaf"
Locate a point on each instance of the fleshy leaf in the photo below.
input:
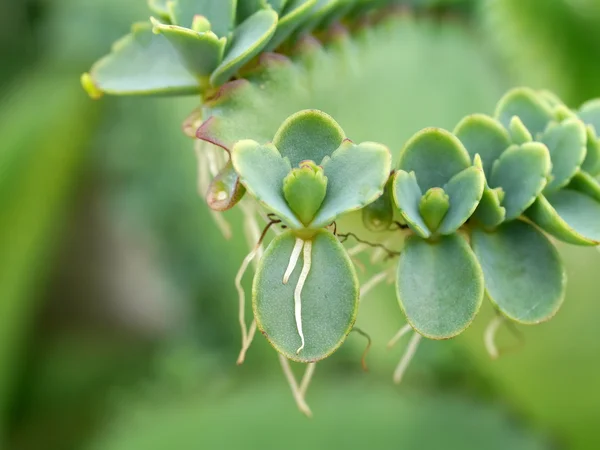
(591, 163)
(439, 285)
(465, 190)
(379, 215)
(407, 195)
(293, 15)
(566, 142)
(490, 212)
(590, 113)
(201, 52)
(524, 103)
(308, 135)
(262, 170)
(433, 207)
(225, 190)
(550, 98)
(568, 215)
(249, 38)
(356, 175)
(586, 184)
(485, 136)
(304, 190)
(329, 297)
(220, 14)
(435, 155)
(522, 173)
(524, 276)
(141, 63)
(519, 132)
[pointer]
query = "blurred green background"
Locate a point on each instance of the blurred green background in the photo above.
(118, 326)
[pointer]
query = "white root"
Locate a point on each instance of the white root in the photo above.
(357, 249)
(373, 282)
(399, 335)
(410, 351)
(298, 291)
(489, 337)
(299, 392)
(293, 260)
(242, 301)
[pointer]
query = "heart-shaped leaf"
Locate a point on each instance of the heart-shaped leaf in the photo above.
(141, 63)
(379, 215)
(356, 176)
(522, 173)
(304, 190)
(407, 197)
(524, 103)
(591, 164)
(262, 170)
(220, 14)
(225, 190)
(524, 276)
(201, 52)
(329, 297)
(439, 285)
(566, 142)
(519, 132)
(433, 207)
(465, 190)
(586, 184)
(308, 135)
(490, 213)
(568, 215)
(293, 15)
(249, 38)
(484, 136)
(435, 155)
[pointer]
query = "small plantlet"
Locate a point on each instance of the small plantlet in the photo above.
(466, 213)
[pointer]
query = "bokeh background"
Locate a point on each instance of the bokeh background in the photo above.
(118, 321)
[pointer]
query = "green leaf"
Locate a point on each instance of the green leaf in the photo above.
(225, 190)
(586, 184)
(201, 52)
(435, 155)
(527, 105)
(356, 175)
(568, 215)
(262, 170)
(484, 136)
(407, 196)
(524, 276)
(522, 173)
(160, 8)
(439, 285)
(220, 14)
(308, 135)
(249, 38)
(141, 63)
(465, 191)
(304, 190)
(379, 215)
(433, 207)
(591, 163)
(294, 15)
(490, 212)
(329, 297)
(590, 113)
(566, 142)
(519, 132)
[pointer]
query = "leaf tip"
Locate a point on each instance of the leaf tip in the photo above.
(90, 87)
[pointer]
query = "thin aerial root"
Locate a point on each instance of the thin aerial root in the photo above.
(357, 249)
(399, 335)
(489, 337)
(293, 260)
(307, 378)
(298, 291)
(363, 359)
(410, 351)
(246, 343)
(296, 392)
(372, 283)
(211, 159)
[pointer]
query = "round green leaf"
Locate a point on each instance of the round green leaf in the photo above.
(407, 197)
(220, 13)
(465, 190)
(522, 173)
(201, 52)
(439, 285)
(484, 136)
(329, 297)
(293, 15)
(435, 155)
(141, 63)
(569, 215)
(248, 40)
(566, 142)
(308, 135)
(524, 276)
(356, 176)
(534, 112)
(262, 170)
(225, 190)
